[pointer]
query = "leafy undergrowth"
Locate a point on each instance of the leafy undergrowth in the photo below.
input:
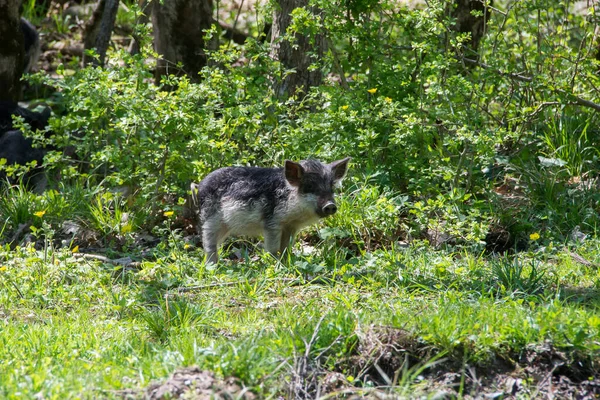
(409, 321)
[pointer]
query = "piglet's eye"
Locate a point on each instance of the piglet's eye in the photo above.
(309, 187)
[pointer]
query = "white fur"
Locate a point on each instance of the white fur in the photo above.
(247, 220)
(242, 218)
(298, 212)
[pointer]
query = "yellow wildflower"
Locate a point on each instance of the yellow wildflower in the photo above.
(75, 249)
(344, 107)
(40, 213)
(168, 213)
(534, 236)
(372, 91)
(3, 268)
(388, 99)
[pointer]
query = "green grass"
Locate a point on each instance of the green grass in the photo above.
(75, 327)
(31, 12)
(80, 328)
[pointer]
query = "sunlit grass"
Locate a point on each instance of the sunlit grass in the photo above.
(74, 326)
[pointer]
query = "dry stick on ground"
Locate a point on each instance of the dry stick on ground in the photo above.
(124, 262)
(577, 258)
(185, 289)
(303, 377)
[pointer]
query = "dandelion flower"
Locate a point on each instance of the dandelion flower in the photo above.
(344, 107)
(534, 236)
(372, 91)
(40, 213)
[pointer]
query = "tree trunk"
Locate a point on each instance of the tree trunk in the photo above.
(11, 51)
(179, 27)
(469, 23)
(99, 29)
(294, 55)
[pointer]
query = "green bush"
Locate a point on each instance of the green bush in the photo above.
(402, 101)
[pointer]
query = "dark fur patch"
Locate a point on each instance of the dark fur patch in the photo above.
(14, 146)
(31, 42)
(247, 185)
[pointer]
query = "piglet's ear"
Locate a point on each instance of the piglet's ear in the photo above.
(339, 169)
(293, 172)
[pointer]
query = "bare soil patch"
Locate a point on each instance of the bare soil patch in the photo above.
(538, 372)
(193, 383)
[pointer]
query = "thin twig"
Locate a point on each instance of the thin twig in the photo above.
(547, 378)
(237, 17)
(522, 78)
(337, 65)
(17, 289)
(543, 105)
(515, 76)
(272, 373)
(577, 60)
(580, 101)
(124, 262)
(497, 10)
(328, 347)
(185, 289)
(313, 339)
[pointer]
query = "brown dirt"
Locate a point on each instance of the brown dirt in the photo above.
(539, 372)
(193, 383)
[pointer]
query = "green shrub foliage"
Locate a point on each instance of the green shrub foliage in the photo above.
(403, 96)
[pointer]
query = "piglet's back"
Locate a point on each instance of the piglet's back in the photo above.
(242, 183)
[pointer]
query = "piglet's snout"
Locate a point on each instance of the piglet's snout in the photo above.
(329, 208)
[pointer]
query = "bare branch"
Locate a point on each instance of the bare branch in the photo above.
(522, 78)
(517, 77)
(497, 10)
(580, 101)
